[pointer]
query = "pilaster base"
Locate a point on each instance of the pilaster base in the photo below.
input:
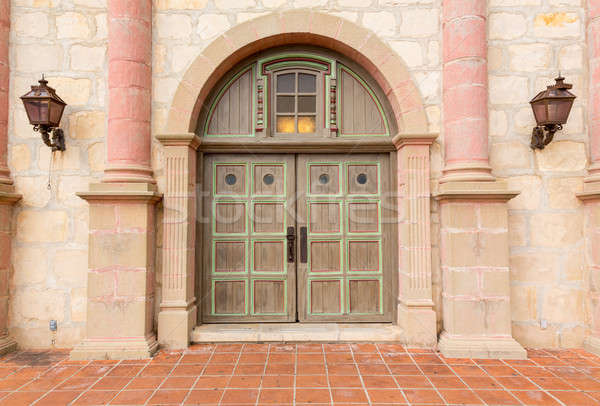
(419, 325)
(7, 344)
(480, 347)
(118, 348)
(175, 327)
(592, 344)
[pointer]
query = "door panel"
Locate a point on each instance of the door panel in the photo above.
(247, 275)
(345, 277)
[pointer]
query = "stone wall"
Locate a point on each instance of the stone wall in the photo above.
(529, 41)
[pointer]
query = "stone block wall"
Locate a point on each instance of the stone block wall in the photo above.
(530, 40)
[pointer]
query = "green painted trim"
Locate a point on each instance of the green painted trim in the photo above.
(213, 248)
(322, 278)
(381, 301)
(365, 163)
(340, 179)
(225, 87)
(283, 256)
(295, 64)
(212, 300)
(214, 178)
(373, 96)
(309, 258)
(285, 296)
(379, 255)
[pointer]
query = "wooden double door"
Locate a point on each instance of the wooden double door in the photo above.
(297, 238)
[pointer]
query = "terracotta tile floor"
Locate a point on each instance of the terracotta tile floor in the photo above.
(301, 374)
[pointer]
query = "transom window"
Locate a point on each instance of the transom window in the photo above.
(296, 102)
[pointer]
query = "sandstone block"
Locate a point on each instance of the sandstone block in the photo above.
(79, 305)
(68, 160)
(561, 156)
(96, 157)
(42, 226)
(517, 230)
(173, 26)
(506, 26)
(493, 216)
(134, 217)
(72, 91)
(562, 192)
(410, 51)
(30, 24)
(212, 25)
(39, 304)
(273, 3)
(101, 284)
(509, 155)
(38, 58)
(33, 189)
(498, 123)
(433, 53)
(524, 121)
(458, 249)
(20, 157)
(30, 266)
(126, 319)
(87, 58)
(563, 305)
(70, 267)
(508, 89)
(235, 4)
(381, 23)
(181, 4)
(534, 266)
(557, 25)
(121, 249)
(530, 188)
(575, 266)
(132, 283)
(182, 56)
(510, 3)
(103, 217)
(87, 124)
(461, 283)
(571, 57)
(101, 26)
(492, 249)
(495, 283)
(309, 3)
(523, 300)
(495, 58)
(529, 57)
(420, 22)
(72, 25)
(68, 186)
(497, 317)
(459, 215)
(469, 316)
(556, 229)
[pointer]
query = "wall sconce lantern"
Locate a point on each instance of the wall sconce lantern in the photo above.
(551, 109)
(44, 109)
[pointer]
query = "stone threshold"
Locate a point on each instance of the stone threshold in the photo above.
(289, 332)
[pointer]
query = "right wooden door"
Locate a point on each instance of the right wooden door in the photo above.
(345, 245)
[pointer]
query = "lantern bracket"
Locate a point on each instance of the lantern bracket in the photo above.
(58, 137)
(543, 135)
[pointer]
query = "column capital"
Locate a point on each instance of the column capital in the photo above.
(180, 140)
(496, 190)
(401, 140)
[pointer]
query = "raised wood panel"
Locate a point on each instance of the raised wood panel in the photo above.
(363, 217)
(363, 180)
(363, 256)
(269, 256)
(230, 179)
(230, 297)
(230, 217)
(233, 111)
(269, 297)
(325, 256)
(268, 180)
(364, 296)
(360, 113)
(230, 256)
(324, 179)
(268, 217)
(325, 217)
(325, 296)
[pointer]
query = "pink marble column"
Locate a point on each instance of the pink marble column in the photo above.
(129, 89)
(4, 73)
(465, 91)
(593, 42)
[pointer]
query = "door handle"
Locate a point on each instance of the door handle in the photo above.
(303, 248)
(291, 237)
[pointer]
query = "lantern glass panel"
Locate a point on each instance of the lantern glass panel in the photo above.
(540, 112)
(38, 111)
(560, 110)
(56, 111)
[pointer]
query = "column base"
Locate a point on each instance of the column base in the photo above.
(419, 325)
(592, 344)
(118, 348)
(175, 327)
(480, 347)
(7, 344)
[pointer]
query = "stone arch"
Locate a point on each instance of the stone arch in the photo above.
(298, 27)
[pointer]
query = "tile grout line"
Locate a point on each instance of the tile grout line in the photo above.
(391, 374)
(263, 374)
(295, 373)
(95, 382)
(50, 390)
(164, 379)
(197, 377)
(360, 375)
(426, 377)
(327, 374)
(131, 378)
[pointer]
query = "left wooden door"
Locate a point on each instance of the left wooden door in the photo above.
(248, 274)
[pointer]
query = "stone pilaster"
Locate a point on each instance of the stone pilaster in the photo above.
(4, 86)
(178, 308)
(120, 272)
(416, 316)
(7, 199)
(475, 271)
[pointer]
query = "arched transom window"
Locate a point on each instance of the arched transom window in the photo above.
(296, 94)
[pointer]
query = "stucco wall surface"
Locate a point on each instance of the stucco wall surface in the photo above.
(529, 41)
